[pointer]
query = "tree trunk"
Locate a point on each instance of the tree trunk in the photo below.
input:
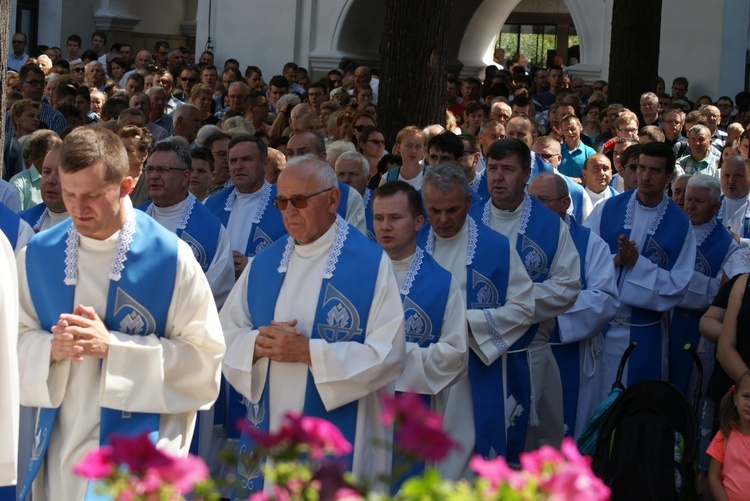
(4, 37)
(413, 65)
(634, 52)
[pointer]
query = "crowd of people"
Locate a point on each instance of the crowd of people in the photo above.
(187, 238)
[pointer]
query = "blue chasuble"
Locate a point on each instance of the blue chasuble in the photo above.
(536, 245)
(33, 216)
(9, 222)
(140, 292)
(487, 270)
(712, 247)
(424, 293)
(576, 195)
(341, 316)
(267, 224)
(662, 247)
(197, 227)
(367, 201)
(568, 355)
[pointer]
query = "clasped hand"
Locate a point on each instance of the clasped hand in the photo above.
(78, 334)
(282, 342)
(627, 254)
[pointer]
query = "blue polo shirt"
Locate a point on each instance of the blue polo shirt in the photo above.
(572, 160)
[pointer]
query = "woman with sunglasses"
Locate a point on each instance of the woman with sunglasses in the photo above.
(362, 119)
(372, 146)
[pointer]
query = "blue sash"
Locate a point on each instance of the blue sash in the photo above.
(482, 189)
(344, 202)
(9, 222)
(568, 355)
(487, 269)
(343, 308)
(267, 230)
(200, 231)
(662, 248)
(576, 195)
(32, 214)
(538, 165)
(147, 278)
(425, 296)
(685, 322)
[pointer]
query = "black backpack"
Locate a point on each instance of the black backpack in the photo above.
(647, 445)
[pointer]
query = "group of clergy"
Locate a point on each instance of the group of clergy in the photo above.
(507, 314)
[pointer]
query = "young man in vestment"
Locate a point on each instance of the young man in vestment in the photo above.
(118, 330)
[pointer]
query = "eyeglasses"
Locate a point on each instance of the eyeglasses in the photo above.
(547, 156)
(191, 80)
(160, 170)
(379, 142)
(360, 128)
(672, 122)
(546, 200)
(79, 70)
(34, 83)
(298, 201)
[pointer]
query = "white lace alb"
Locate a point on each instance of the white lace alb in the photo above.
(184, 215)
(342, 230)
(661, 209)
(471, 246)
(40, 221)
(705, 232)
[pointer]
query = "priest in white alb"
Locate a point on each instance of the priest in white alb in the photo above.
(304, 335)
(118, 330)
(8, 368)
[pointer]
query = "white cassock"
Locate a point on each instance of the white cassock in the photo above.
(594, 200)
(49, 219)
(732, 214)
(435, 368)
(512, 319)
(25, 232)
(174, 375)
(344, 372)
(584, 321)
(644, 285)
(220, 273)
(8, 364)
(552, 298)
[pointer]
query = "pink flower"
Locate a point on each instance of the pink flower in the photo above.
(402, 407)
(265, 440)
(184, 473)
(347, 494)
(320, 435)
(138, 453)
(571, 483)
(425, 438)
(96, 464)
(497, 472)
(541, 461)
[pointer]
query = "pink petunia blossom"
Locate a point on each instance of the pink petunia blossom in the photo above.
(138, 453)
(497, 472)
(570, 483)
(402, 407)
(96, 464)
(541, 460)
(263, 439)
(347, 494)
(425, 438)
(321, 436)
(184, 473)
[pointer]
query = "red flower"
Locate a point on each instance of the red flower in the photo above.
(138, 453)
(321, 436)
(425, 438)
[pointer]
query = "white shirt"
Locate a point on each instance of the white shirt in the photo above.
(243, 213)
(8, 364)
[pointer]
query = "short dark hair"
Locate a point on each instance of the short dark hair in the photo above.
(101, 34)
(29, 68)
(247, 138)
(412, 196)
(252, 69)
(161, 44)
(448, 142)
(74, 38)
(503, 148)
(279, 81)
(205, 155)
(183, 155)
(217, 136)
(290, 66)
(473, 142)
(660, 150)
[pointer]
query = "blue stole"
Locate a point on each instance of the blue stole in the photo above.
(367, 201)
(137, 304)
(9, 222)
(576, 195)
(568, 355)
(538, 165)
(343, 308)
(745, 233)
(662, 248)
(685, 322)
(536, 245)
(268, 229)
(481, 187)
(487, 270)
(32, 214)
(341, 209)
(424, 293)
(198, 228)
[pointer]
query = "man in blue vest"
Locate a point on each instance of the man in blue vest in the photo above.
(653, 248)
(245, 208)
(434, 305)
(715, 246)
(577, 338)
(550, 258)
(97, 292)
(303, 332)
(483, 412)
(52, 210)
